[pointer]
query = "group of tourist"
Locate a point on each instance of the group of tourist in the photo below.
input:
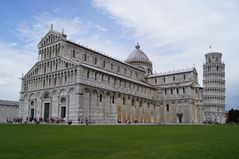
(84, 121)
(52, 120)
(14, 120)
(56, 120)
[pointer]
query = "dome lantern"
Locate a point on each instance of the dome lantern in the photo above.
(137, 46)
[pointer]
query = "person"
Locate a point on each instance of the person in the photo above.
(69, 122)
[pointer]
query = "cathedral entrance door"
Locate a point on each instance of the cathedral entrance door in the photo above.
(180, 117)
(31, 114)
(46, 111)
(63, 111)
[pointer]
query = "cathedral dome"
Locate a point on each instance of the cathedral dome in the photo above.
(139, 59)
(137, 55)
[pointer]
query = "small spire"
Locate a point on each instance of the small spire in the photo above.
(210, 47)
(137, 46)
(62, 31)
(51, 26)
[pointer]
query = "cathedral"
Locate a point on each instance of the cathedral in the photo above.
(75, 83)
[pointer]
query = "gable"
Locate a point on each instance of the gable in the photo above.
(39, 66)
(51, 37)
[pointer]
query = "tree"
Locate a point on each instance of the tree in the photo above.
(233, 116)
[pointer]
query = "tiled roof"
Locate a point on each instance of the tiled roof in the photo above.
(172, 72)
(117, 75)
(9, 103)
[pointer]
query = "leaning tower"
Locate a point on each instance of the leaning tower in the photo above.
(214, 88)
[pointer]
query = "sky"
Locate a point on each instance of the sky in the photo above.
(174, 34)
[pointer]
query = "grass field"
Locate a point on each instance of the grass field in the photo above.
(119, 142)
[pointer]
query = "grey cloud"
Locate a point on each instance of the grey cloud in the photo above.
(5, 74)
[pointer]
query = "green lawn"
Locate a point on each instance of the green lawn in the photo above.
(121, 142)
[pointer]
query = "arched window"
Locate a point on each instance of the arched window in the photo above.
(167, 107)
(183, 90)
(84, 57)
(95, 61)
(74, 53)
(100, 97)
(132, 102)
(123, 100)
(103, 64)
(88, 74)
(32, 103)
(119, 70)
(113, 99)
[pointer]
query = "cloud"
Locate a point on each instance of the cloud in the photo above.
(31, 32)
(77, 30)
(13, 62)
(16, 60)
(13, 44)
(5, 74)
(177, 34)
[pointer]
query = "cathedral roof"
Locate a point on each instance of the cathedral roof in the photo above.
(137, 55)
(193, 69)
(174, 85)
(9, 103)
(102, 54)
(116, 75)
